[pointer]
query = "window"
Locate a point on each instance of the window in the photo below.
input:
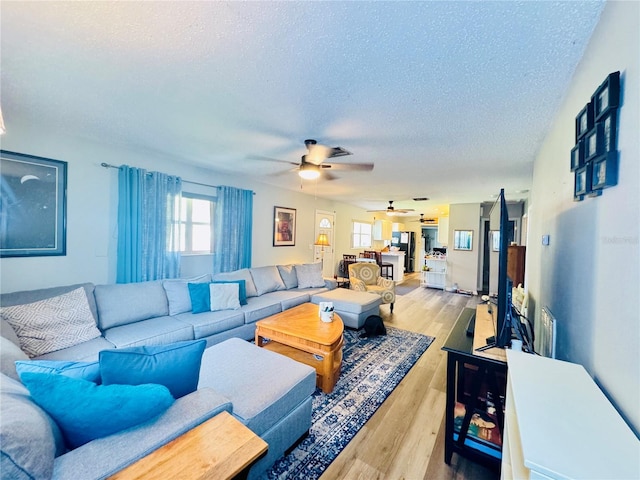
(196, 224)
(361, 235)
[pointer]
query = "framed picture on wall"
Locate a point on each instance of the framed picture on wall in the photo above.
(604, 171)
(584, 121)
(594, 142)
(284, 227)
(577, 155)
(463, 240)
(609, 131)
(495, 240)
(582, 182)
(607, 96)
(33, 192)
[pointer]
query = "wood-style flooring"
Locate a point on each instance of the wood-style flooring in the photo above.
(404, 439)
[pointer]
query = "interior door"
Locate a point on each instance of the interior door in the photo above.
(324, 223)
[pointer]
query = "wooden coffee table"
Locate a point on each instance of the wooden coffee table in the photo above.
(299, 334)
(220, 448)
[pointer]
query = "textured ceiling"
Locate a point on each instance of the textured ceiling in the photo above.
(450, 100)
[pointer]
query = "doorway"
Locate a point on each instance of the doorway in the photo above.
(324, 223)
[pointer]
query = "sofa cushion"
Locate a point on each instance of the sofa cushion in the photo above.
(309, 275)
(242, 274)
(29, 438)
(267, 279)
(119, 304)
(52, 324)
(155, 331)
(283, 383)
(128, 446)
(85, 411)
(224, 296)
(7, 331)
(289, 277)
(83, 352)
(9, 354)
(84, 370)
(211, 323)
(261, 307)
(175, 366)
(178, 293)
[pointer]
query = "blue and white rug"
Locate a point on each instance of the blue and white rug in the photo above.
(371, 369)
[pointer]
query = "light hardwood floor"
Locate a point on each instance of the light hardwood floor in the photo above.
(404, 439)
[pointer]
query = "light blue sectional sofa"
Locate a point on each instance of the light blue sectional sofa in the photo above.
(269, 393)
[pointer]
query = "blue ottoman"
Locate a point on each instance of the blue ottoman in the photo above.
(353, 307)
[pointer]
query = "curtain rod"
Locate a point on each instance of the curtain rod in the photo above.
(107, 165)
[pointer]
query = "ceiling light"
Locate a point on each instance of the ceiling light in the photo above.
(309, 171)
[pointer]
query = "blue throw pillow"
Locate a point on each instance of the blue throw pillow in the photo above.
(200, 300)
(242, 294)
(85, 411)
(84, 370)
(176, 366)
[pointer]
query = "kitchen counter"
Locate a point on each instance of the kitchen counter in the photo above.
(397, 259)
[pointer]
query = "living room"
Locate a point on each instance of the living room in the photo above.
(587, 273)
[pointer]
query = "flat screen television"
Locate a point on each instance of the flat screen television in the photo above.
(499, 282)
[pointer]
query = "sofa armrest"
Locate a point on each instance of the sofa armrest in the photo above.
(105, 456)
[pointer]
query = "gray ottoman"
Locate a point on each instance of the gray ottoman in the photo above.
(353, 307)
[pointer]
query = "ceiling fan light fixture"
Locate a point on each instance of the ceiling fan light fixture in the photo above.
(309, 171)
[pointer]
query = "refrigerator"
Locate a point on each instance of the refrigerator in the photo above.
(406, 242)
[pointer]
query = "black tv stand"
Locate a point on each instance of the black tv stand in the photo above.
(476, 384)
(469, 314)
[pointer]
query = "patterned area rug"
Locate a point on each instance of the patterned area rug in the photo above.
(371, 369)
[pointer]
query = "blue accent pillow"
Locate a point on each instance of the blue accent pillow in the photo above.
(200, 300)
(176, 366)
(242, 289)
(84, 370)
(85, 411)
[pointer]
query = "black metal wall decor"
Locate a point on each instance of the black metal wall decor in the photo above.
(594, 158)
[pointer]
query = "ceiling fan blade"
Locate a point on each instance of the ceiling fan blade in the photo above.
(325, 175)
(361, 167)
(269, 159)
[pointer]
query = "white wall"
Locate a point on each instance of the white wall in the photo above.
(92, 210)
(462, 266)
(589, 274)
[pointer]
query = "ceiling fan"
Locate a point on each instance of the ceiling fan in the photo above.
(313, 165)
(426, 221)
(391, 210)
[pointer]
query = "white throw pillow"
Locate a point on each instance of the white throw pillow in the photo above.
(52, 324)
(224, 296)
(310, 275)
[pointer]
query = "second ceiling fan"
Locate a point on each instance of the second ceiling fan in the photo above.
(391, 210)
(313, 165)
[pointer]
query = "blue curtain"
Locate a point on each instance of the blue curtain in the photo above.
(148, 214)
(232, 229)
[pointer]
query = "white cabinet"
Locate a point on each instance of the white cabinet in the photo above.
(434, 272)
(382, 230)
(443, 230)
(559, 424)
